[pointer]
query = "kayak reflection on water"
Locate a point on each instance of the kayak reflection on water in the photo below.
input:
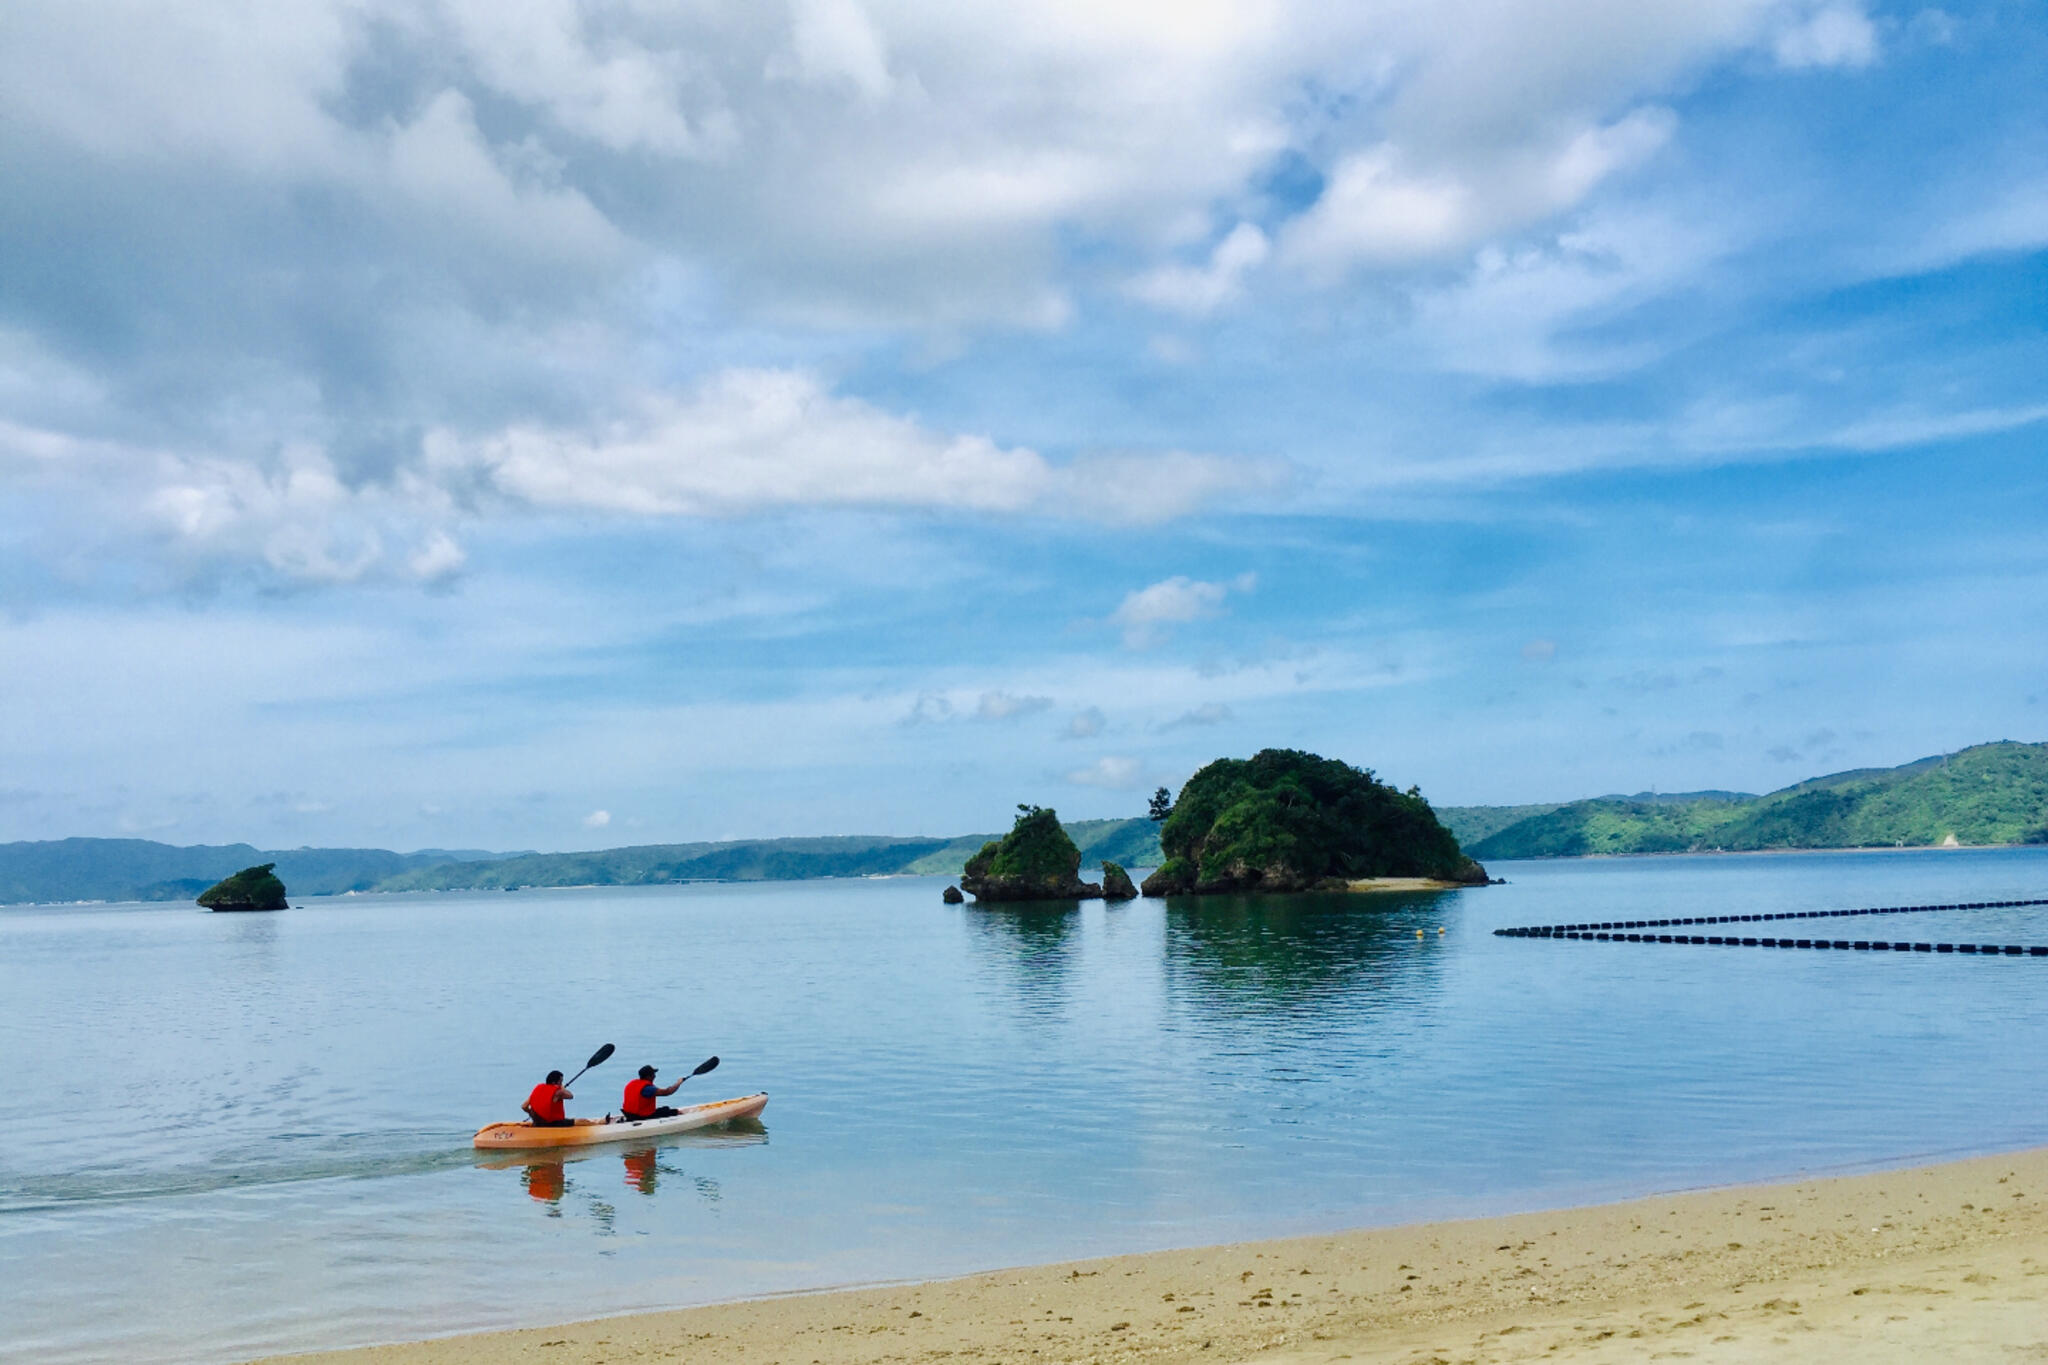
(545, 1181)
(545, 1177)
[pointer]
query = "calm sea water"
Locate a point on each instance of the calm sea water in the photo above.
(228, 1135)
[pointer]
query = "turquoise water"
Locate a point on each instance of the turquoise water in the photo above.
(235, 1134)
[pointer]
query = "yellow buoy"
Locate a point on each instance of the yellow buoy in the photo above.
(1418, 933)
(1439, 928)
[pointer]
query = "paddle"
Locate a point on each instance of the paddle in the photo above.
(597, 1058)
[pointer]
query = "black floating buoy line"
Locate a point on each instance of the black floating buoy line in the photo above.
(1630, 931)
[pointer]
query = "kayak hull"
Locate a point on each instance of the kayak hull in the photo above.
(500, 1137)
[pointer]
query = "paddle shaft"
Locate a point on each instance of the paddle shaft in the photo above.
(602, 1055)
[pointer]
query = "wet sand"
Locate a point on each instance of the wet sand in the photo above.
(1937, 1262)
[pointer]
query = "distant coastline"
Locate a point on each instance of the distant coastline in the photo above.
(1986, 796)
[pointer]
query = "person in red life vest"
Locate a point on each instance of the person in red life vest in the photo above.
(544, 1106)
(641, 1094)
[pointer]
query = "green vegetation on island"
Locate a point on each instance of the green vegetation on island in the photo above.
(253, 888)
(1988, 794)
(1133, 842)
(1035, 861)
(1284, 820)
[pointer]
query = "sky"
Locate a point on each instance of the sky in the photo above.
(573, 423)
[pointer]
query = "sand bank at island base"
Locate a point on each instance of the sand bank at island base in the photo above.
(1945, 1262)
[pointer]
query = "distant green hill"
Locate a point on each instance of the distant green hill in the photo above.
(750, 860)
(56, 870)
(1469, 824)
(141, 869)
(1131, 842)
(1989, 794)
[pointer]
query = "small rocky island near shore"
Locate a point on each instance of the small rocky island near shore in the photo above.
(1284, 820)
(253, 888)
(1035, 861)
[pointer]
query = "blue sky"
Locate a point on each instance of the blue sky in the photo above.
(607, 422)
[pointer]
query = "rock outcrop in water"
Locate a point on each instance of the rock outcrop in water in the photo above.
(253, 888)
(1116, 883)
(1284, 820)
(951, 895)
(1035, 861)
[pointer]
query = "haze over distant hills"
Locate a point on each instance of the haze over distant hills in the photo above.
(1988, 794)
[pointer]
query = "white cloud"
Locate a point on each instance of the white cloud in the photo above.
(1533, 314)
(1086, 723)
(1147, 613)
(1196, 290)
(1840, 35)
(597, 819)
(1208, 713)
(1115, 773)
(299, 519)
(1380, 208)
(752, 440)
(836, 41)
(1007, 706)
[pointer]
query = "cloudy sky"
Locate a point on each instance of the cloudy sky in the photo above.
(568, 423)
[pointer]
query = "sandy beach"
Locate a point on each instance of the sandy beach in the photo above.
(1936, 1262)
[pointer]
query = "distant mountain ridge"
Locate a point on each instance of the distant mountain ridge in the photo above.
(144, 870)
(140, 869)
(1984, 795)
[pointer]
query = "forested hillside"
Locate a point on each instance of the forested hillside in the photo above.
(1989, 794)
(143, 870)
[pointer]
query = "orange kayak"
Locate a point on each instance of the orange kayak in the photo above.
(585, 1132)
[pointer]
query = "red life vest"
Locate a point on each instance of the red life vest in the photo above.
(636, 1104)
(546, 1102)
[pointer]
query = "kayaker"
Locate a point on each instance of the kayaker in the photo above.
(544, 1106)
(641, 1094)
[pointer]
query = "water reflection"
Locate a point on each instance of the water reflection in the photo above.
(1288, 954)
(566, 1181)
(1039, 939)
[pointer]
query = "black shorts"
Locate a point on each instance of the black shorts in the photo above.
(552, 1123)
(660, 1112)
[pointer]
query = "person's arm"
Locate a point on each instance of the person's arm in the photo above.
(671, 1090)
(566, 1095)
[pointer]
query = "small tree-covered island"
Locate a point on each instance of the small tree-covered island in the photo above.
(1284, 820)
(253, 888)
(1037, 861)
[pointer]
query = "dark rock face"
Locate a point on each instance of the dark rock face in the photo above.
(1035, 861)
(1116, 883)
(952, 896)
(253, 888)
(1284, 820)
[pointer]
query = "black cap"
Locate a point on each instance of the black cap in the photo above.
(646, 1073)
(554, 1078)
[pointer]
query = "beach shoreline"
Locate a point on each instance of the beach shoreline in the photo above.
(1906, 1264)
